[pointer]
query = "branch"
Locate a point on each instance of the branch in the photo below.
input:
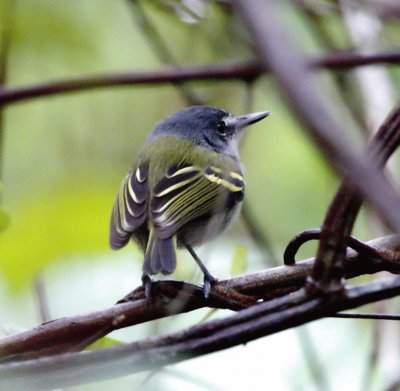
(5, 45)
(279, 53)
(343, 210)
(171, 298)
(348, 315)
(247, 325)
(389, 9)
(160, 49)
(326, 39)
(348, 59)
(234, 70)
(222, 71)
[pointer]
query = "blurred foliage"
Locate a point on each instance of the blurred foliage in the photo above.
(239, 262)
(4, 220)
(104, 342)
(4, 217)
(70, 219)
(64, 156)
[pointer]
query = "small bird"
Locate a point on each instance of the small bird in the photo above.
(185, 188)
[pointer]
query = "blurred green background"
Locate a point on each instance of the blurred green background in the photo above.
(63, 158)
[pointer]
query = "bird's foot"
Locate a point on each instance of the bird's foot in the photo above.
(208, 281)
(208, 278)
(147, 284)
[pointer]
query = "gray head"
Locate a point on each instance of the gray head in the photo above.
(210, 127)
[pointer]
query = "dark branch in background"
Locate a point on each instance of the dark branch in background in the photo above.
(278, 53)
(160, 49)
(74, 333)
(394, 385)
(312, 360)
(349, 315)
(347, 59)
(310, 352)
(259, 236)
(5, 44)
(256, 232)
(343, 80)
(181, 73)
(41, 299)
(373, 355)
(234, 70)
(247, 325)
(389, 9)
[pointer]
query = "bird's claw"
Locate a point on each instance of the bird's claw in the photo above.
(147, 284)
(208, 281)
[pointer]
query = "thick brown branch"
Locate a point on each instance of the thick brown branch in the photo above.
(247, 325)
(76, 332)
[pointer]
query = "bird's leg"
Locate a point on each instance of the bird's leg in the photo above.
(208, 278)
(147, 282)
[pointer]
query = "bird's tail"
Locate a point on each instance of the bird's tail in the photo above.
(160, 255)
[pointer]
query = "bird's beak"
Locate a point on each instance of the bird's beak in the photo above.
(241, 121)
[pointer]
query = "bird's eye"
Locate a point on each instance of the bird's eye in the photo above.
(221, 128)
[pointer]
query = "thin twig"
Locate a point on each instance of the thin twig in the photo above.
(390, 258)
(349, 315)
(42, 300)
(313, 361)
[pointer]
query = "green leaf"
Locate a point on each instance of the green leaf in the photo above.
(239, 261)
(105, 342)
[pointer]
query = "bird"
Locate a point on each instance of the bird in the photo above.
(185, 188)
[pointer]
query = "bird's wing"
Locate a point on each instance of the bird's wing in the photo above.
(189, 192)
(130, 207)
